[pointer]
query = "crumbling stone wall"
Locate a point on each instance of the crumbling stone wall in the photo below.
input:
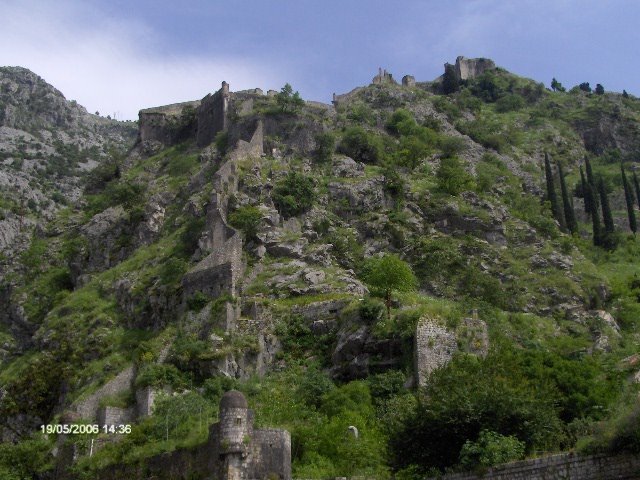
(383, 77)
(212, 115)
(434, 347)
(164, 124)
(88, 408)
(561, 467)
(116, 416)
(469, 68)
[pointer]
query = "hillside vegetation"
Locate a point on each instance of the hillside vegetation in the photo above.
(361, 221)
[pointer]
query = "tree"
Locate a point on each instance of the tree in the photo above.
(325, 146)
(288, 101)
(609, 226)
(637, 187)
(389, 274)
(551, 192)
(584, 86)
(556, 86)
(599, 89)
(625, 94)
(590, 177)
(628, 196)
(586, 193)
(595, 217)
(361, 145)
(569, 214)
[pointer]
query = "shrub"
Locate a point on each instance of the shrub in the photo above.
(197, 301)
(222, 141)
(247, 219)
(325, 146)
(490, 449)
(294, 194)
(452, 177)
(189, 237)
(509, 103)
(361, 145)
(371, 310)
(451, 146)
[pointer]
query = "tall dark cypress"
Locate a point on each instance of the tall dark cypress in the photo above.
(590, 178)
(569, 214)
(598, 239)
(628, 196)
(551, 192)
(586, 193)
(609, 227)
(637, 185)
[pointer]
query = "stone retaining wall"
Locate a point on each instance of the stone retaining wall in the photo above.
(565, 466)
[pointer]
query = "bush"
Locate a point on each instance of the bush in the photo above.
(509, 103)
(222, 141)
(452, 177)
(361, 145)
(451, 146)
(247, 219)
(490, 449)
(325, 146)
(371, 310)
(294, 194)
(189, 237)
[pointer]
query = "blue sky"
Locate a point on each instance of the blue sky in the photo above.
(120, 56)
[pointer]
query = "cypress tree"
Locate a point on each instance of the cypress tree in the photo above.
(586, 193)
(628, 196)
(551, 192)
(569, 214)
(637, 185)
(590, 178)
(595, 219)
(606, 208)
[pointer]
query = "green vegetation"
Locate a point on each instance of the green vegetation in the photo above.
(294, 194)
(388, 274)
(443, 227)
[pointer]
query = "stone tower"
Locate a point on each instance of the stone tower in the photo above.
(240, 452)
(236, 427)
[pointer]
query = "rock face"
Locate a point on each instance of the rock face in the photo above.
(43, 136)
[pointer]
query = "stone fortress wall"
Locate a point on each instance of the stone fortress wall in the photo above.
(565, 466)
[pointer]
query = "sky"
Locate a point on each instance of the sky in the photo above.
(119, 56)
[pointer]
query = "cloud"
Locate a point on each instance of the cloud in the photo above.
(112, 65)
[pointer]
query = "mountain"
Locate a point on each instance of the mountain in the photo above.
(394, 262)
(47, 144)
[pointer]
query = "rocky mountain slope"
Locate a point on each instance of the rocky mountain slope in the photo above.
(47, 144)
(387, 262)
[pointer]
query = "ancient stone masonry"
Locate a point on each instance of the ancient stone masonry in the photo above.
(408, 81)
(434, 347)
(235, 450)
(212, 115)
(565, 466)
(469, 68)
(383, 77)
(165, 124)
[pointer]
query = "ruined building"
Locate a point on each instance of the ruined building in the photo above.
(241, 452)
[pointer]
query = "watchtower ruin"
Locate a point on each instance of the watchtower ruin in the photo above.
(241, 452)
